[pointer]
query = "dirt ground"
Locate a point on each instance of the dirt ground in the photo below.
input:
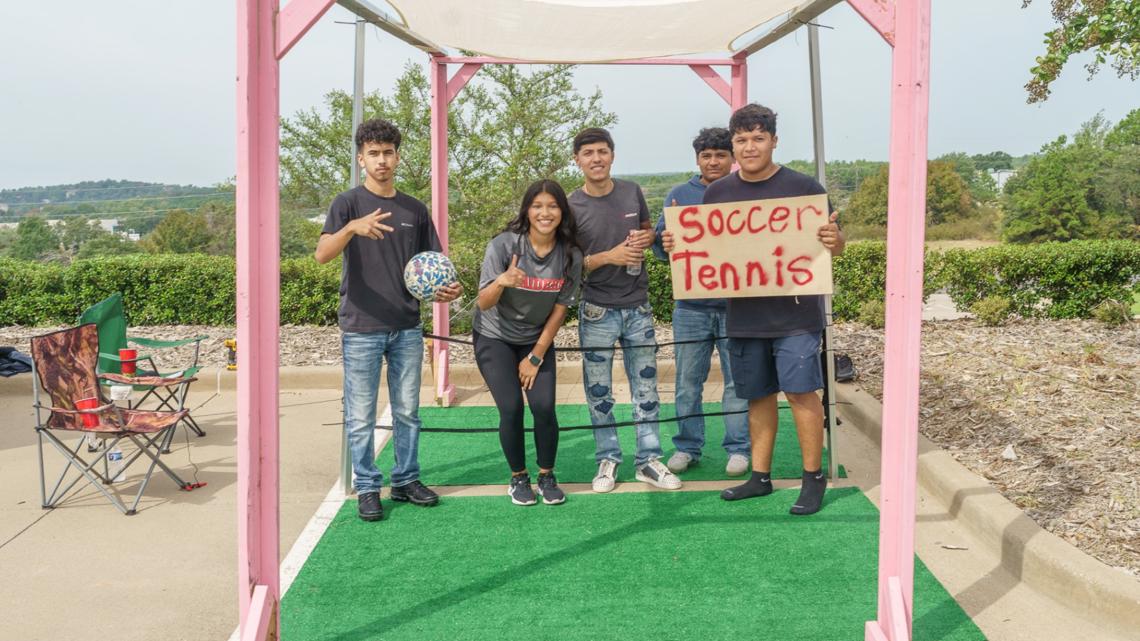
(1048, 411)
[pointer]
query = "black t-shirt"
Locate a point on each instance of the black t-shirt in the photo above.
(775, 316)
(372, 293)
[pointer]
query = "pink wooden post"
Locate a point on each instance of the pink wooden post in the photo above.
(739, 83)
(263, 36)
(905, 229)
(441, 318)
(257, 300)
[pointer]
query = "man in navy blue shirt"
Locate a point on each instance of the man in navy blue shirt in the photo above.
(774, 341)
(703, 322)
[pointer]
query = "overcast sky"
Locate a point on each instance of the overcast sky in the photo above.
(144, 90)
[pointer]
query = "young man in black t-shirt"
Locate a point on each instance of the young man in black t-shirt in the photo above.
(379, 229)
(774, 341)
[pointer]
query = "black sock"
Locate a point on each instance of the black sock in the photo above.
(760, 484)
(811, 493)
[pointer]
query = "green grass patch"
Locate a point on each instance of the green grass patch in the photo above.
(669, 566)
(477, 459)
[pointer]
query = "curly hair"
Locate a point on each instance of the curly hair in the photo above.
(753, 116)
(377, 130)
(716, 138)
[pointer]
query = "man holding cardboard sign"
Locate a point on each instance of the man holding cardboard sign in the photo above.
(763, 240)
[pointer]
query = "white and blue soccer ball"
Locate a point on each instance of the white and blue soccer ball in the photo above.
(426, 272)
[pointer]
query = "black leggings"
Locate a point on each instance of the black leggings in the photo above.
(499, 364)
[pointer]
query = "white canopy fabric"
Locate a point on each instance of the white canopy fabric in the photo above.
(588, 30)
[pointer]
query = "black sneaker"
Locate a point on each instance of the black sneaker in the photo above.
(415, 493)
(548, 489)
(368, 506)
(520, 491)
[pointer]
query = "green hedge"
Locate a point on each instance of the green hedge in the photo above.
(1047, 280)
(1055, 280)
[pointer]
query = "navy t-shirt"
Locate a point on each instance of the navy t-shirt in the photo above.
(775, 316)
(372, 293)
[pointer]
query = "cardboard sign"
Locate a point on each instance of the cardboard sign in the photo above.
(746, 249)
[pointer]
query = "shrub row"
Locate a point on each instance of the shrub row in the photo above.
(1053, 280)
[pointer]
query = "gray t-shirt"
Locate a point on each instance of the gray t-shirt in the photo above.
(372, 293)
(521, 313)
(775, 316)
(603, 223)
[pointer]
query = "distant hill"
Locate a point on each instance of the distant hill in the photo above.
(143, 204)
(95, 190)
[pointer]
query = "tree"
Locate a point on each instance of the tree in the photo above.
(35, 239)
(506, 129)
(947, 197)
(1071, 190)
(869, 202)
(180, 232)
(947, 194)
(317, 148)
(1108, 28)
(77, 230)
(981, 185)
(107, 244)
(993, 161)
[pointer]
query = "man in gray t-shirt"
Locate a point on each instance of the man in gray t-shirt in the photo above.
(614, 231)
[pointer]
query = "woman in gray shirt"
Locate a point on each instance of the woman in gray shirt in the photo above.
(530, 276)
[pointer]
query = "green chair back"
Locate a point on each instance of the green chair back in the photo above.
(108, 316)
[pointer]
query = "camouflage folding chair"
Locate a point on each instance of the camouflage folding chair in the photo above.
(63, 366)
(108, 315)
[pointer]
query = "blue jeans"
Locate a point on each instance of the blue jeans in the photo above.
(364, 353)
(633, 329)
(693, 363)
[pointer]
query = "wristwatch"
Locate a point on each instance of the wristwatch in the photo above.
(534, 360)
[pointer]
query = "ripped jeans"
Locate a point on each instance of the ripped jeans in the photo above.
(633, 329)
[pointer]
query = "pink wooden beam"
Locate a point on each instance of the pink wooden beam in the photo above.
(880, 14)
(713, 79)
(491, 60)
(739, 84)
(906, 198)
(296, 19)
(258, 281)
(261, 613)
(441, 317)
(460, 80)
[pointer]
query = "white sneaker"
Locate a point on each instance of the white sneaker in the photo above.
(737, 465)
(604, 481)
(679, 462)
(656, 474)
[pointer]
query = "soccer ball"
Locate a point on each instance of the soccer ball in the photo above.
(426, 272)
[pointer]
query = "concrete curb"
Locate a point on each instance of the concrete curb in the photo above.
(1034, 556)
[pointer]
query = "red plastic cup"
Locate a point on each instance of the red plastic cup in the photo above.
(89, 420)
(128, 356)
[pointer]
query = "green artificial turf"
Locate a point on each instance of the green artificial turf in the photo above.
(652, 565)
(477, 459)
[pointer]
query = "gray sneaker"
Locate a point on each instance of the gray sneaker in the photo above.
(679, 462)
(656, 474)
(520, 490)
(548, 489)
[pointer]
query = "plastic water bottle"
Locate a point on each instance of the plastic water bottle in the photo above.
(632, 270)
(116, 470)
